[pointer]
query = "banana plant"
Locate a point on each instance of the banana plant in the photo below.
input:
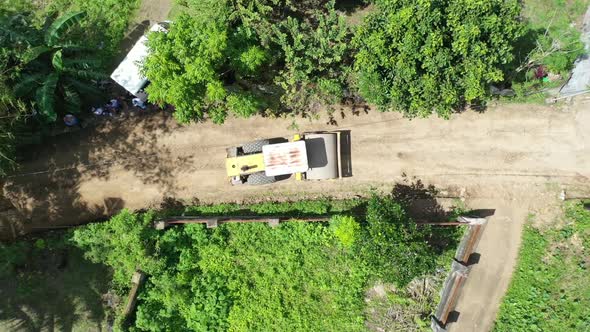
(57, 72)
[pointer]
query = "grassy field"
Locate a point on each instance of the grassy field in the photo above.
(550, 289)
(555, 13)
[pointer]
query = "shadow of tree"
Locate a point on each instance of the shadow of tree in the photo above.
(51, 288)
(419, 200)
(48, 190)
(350, 6)
(522, 47)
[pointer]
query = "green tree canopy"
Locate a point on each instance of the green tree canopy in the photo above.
(427, 56)
(215, 55)
(314, 58)
(191, 65)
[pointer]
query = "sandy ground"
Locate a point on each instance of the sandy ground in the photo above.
(153, 10)
(515, 159)
(506, 153)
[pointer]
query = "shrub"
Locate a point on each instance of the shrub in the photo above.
(123, 243)
(433, 56)
(252, 59)
(554, 41)
(12, 256)
(218, 114)
(193, 66)
(243, 105)
(184, 64)
(346, 229)
(252, 277)
(315, 58)
(394, 245)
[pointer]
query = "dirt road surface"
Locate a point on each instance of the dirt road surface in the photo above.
(489, 279)
(153, 10)
(514, 159)
(149, 13)
(505, 153)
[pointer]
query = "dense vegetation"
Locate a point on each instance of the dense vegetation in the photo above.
(549, 44)
(53, 71)
(434, 56)
(245, 277)
(550, 289)
(50, 58)
(281, 56)
(241, 57)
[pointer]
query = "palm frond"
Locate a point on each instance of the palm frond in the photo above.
(33, 53)
(83, 63)
(86, 74)
(72, 46)
(57, 61)
(25, 86)
(46, 97)
(72, 99)
(62, 24)
(82, 87)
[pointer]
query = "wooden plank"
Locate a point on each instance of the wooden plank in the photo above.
(136, 280)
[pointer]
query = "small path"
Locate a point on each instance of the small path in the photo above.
(149, 13)
(153, 11)
(488, 279)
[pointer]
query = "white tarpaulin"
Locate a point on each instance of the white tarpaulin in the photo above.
(128, 73)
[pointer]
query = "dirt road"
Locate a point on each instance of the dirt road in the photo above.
(504, 153)
(515, 159)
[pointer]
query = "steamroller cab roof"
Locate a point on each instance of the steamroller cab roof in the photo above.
(285, 158)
